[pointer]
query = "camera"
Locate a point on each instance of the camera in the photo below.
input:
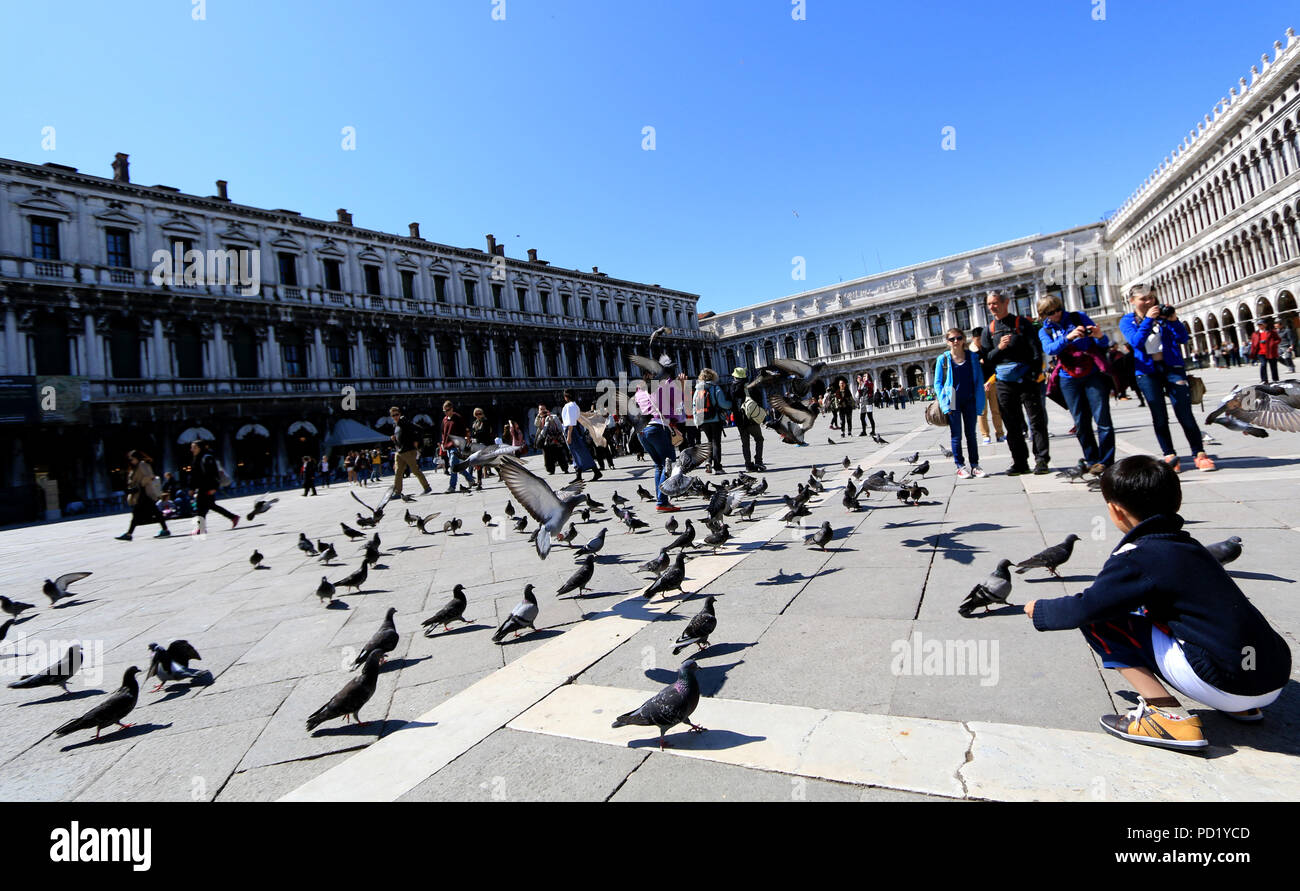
(1166, 310)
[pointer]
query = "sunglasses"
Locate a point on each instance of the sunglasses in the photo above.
(956, 339)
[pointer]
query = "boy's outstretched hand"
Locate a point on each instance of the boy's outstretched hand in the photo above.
(1029, 608)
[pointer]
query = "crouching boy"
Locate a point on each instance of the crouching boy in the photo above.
(1167, 615)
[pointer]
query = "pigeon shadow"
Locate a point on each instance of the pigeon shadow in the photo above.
(543, 634)
(122, 733)
(337, 604)
(912, 523)
(1254, 461)
(373, 727)
(1259, 576)
(66, 603)
(1010, 609)
(62, 697)
(689, 740)
(1064, 578)
(459, 629)
(404, 662)
(364, 591)
(725, 649)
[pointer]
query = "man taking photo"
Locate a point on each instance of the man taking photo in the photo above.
(1016, 356)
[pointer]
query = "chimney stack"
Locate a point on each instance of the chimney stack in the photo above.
(221, 190)
(492, 245)
(595, 270)
(532, 255)
(415, 230)
(121, 168)
(344, 217)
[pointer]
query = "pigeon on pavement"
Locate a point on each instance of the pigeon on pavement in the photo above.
(356, 579)
(1226, 551)
(522, 616)
(580, 579)
(451, 611)
(822, 536)
(698, 629)
(658, 564)
(57, 673)
(669, 707)
(110, 710)
(255, 559)
(594, 546)
(305, 545)
(325, 590)
(994, 589)
(685, 539)
(670, 579)
(1049, 558)
(383, 641)
(355, 693)
(173, 664)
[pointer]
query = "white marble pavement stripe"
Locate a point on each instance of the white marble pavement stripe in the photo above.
(402, 760)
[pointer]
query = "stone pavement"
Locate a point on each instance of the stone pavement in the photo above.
(844, 675)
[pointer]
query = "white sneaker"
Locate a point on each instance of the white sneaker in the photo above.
(987, 440)
(962, 472)
(977, 471)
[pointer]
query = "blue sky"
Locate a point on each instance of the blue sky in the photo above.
(774, 138)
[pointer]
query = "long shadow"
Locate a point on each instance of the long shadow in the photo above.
(1254, 462)
(1064, 578)
(1011, 609)
(128, 733)
(404, 662)
(1258, 576)
(459, 629)
(709, 740)
(376, 727)
(63, 697)
(337, 604)
(63, 604)
(364, 591)
(543, 634)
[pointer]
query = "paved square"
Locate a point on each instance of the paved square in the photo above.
(805, 697)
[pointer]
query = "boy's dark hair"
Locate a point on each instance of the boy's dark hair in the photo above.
(1143, 485)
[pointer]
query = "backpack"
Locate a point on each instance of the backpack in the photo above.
(702, 404)
(753, 410)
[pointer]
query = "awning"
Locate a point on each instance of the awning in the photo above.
(252, 430)
(348, 432)
(423, 420)
(305, 426)
(195, 433)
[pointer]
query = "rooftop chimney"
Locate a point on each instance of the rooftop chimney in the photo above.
(121, 168)
(415, 230)
(492, 244)
(344, 217)
(532, 255)
(221, 190)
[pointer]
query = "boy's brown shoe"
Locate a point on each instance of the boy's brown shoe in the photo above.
(1152, 727)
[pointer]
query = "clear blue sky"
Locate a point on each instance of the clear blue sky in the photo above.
(532, 126)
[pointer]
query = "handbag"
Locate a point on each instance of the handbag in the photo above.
(934, 414)
(1195, 389)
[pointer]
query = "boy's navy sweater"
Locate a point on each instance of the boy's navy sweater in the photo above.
(1159, 566)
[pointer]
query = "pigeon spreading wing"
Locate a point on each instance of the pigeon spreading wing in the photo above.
(58, 588)
(546, 507)
(1263, 406)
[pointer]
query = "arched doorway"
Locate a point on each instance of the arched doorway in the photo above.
(254, 457)
(888, 379)
(1229, 326)
(1245, 323)
(1263, 309)
(915, 376)
(1198, 330)
(1212, 331)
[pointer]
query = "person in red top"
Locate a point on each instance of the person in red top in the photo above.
(454, 425)
(1263, 346)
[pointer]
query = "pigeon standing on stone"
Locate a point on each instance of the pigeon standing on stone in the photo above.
(671, 526)
(329, 554)
(822, 536)
(645, 496)
(255, 560)
(356, 579)
(580, 579)
(1049, 558)
(305, 545)
(384, 640)
(994, 589)
(1226, 551)
(173, 664)
(685, 539)
(655, 566)
(919, 470)
(58, 673)
(325, 590)
(451, 611)
(669, 707)
(698, 629)
(670, 579)
(355, 693)
(717, 539)
(913, 458)
(594, 546)
(110, 710)
(350, 532)
(522, 616)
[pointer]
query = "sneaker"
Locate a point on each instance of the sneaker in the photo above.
(988, 440)
(1041, 468)
(962, 472)
(427, 491)
(1002, 437)
(163, 534)
(1172, 461)
(1097, 469)
(1203, 462)
(761, 467)
(597, 475)
(667, 508)
(234, 522)
(125, 536)
(1152, 727)
(978, 472)
(1018, 471)
(1249, 716)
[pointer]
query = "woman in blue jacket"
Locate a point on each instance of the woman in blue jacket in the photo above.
(1156, 339)
(1080, 347)
(959, 382)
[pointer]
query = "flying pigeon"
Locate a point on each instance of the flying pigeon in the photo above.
(792, 419)
(422, 523)
(550, 510)
(670, 579)
(355, 693)
(260, 507)
(56, 673)
(580, 579)
(356, 579)
(1225, 551)
(451, 611)
(821, 537)
(994, 589)
(383, 641)
(698, 629)
(1268, 406)
(325, 590)
(110, 710)
(173, 664)
(1049, 558)
(657, 368)
(522, 616)
(669, 707)
(59, 587)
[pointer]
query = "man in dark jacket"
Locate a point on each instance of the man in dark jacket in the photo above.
(207, 480)
(1164, 612)
(1016, 357)
(745, 426)
(407, 434)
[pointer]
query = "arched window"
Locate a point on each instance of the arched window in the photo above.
(730, 360)
(908, 325)
(769, 352)
(961, 315)
(856, 336)
(881, 328)
(833, 341)
(933, 322)
(810, 344)
(788, 346)
(749, 357)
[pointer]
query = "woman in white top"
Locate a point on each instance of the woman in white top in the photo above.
(576, 439)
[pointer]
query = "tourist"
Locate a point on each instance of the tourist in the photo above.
(142, 493)
(1286, 346)
(407, 436)
(454, 428)
(1016, 356)
(325, 470)
(550, 439)
(1080, 349)
(990, 393)
(1165, 614)
(207, 480)
(1264, 345)
(362, 464)
(575, 438)
(656, 435)
(746, 427)
(350, 462)
(308, 473)
(866, 401)
(959, 380)
(709, 406)
(1156, 336)
(842, 405)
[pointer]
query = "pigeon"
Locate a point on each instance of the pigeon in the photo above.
(57, 673)
(594, 504)
(366, 522)
(371, 554)
(657, 565)
(550, 510)
(920, 470)
(1049, 558)
(325, 590)
(305, 545)
(913, 458)
(521, 523)
(671, 526)
(994, 589)
(580, 579)
(451, 611)
(1077, 472)
(913, 494)
(568, 535)
(1240, 426)
(850, 500)
(656, 368)
(698, 629)
(376, 513)
(818, 472)
(821, 537)
(594, 546)
(14, 607)
(329, 554)
(717, 539)
(685, 539)
(59, 587)
(383, 641)
(409, 518)
(669, 707)
(947, 452)
(857, 473)
(1261, 406)
(110, 710)
(355, 693)
(746, 511)
(510, 508)
(879, 482)
(173, 664)
(792, 420)
(670, 579)
(1225, 551)
(260, 507)
(645, 496)
(799, 510)
(356, 579)
(522, 616)
(350, 532)
(847, 462)
(487, 518)
(452, 526)
(422, 523)
(255, 559)
(759, 489)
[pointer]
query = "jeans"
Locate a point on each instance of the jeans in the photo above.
(1086, 398)
(1171, 381)
(749, 430)
(454, 465)
(846, 420)
(1015, 400)
(963, 417)
(658, 444)
(1264, 365)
